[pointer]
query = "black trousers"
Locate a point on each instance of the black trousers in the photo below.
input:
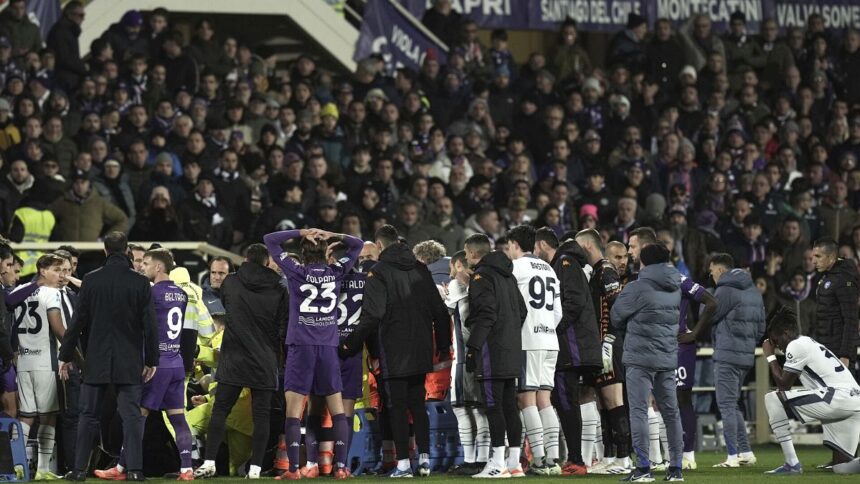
(69, 416)
(261, 404)
(402, 395)
(500, 400)
(128, 407)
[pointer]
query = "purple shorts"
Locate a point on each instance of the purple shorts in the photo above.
(685, 375)
(312, 370)
(350, 376)
(9, 380)
(166, 390)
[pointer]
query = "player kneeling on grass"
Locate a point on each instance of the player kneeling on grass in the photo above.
(177, 345)
(830, 394)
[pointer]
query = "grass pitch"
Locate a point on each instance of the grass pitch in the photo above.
(769, 457)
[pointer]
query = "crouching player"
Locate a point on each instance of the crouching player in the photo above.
(830, 394)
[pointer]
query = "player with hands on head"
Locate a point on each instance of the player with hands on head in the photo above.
(312, 366)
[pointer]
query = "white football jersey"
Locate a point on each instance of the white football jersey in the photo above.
(37, 346)
(542, 294)
(818, 366)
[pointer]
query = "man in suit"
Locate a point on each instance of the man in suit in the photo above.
(116, 313)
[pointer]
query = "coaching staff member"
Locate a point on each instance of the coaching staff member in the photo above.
(116, 313)
(403, 307)
(836, 314)
(257, 305)
(494, 350)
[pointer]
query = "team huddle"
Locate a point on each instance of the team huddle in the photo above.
(550, 341)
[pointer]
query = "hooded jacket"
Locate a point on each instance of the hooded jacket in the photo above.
(402, 306)
(578, 334)
(647, 311)
(496, 315)
(836, 316)
(441, 270)
(739, 321)
(257, 309)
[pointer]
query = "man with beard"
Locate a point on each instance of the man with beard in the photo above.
(605, 285)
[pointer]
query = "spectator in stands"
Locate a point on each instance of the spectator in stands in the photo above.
(445, 23)
(63, 40)
(17, 27)
(84, 215)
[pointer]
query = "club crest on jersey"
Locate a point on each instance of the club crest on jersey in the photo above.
(476, 277)
(827, 285)
(370, 274)
(565, 263)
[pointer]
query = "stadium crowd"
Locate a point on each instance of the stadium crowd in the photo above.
(728, 150)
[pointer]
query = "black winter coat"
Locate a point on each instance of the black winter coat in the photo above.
(836, 316)
(63, 40)
(578, 334)
(404, 310)
(116, 312)
(257, 310)
(496, 315)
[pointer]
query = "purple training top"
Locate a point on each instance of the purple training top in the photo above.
(170, 302)
(314, 291)
(349, 308)
(690, 292)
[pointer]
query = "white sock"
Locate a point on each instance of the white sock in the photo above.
(549, 421)
(423, 459)
(208, 463)
(26, 429)
(690, 456)
(732, 458)
(498, 457)
(590, 422)
(403, 465)
(254, 471)
(466, 428)
(46, 436)
(185, 469)
(513, 457)
(746, 455)
(654, 454)
(119, 467)
(625, 462)
(534, 432)
(482, 435)
(310, 463)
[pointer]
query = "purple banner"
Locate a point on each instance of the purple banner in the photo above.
(385, 30)
(611, 15)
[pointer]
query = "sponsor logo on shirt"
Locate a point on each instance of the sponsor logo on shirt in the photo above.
(29, 352)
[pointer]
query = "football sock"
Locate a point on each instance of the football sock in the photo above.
(534, 430)
(513, 457)
(293, 436)
(608, 439)
(654, 453)
(549, 421)
(341, 436)
(598, 439)
(46, 435)
(467, 433)
(482, 435)
(312, 430)
(620, 431)
(403, 465)
(688, 423)
(499, 457)
(183, 439)
(590, 421)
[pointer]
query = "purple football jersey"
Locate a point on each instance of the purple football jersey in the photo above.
(690, 292)
(349, 307)
(170, 303)
(314, 291)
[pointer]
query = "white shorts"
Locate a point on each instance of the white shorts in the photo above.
(837, 409)
(537, 371)
(37, 391)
